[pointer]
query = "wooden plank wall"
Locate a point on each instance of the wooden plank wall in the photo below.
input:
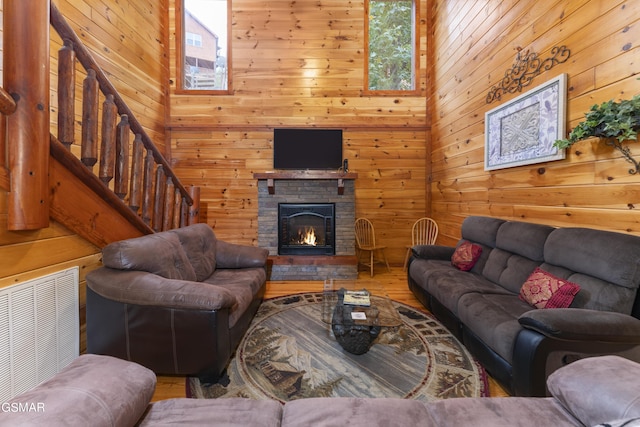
(128, 41)
(474, 43)
(301, 64)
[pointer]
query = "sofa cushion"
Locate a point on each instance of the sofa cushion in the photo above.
(507, 269)
(500, 412)
(243, 284)
(239, 412)
(466, 255)
(544, 290)
(595, 293)
(92, 390)
(605, 265)
(523, 238)
(598, 389)
(159, 253)
(447, 284)
(609, 256)
(481, 229)
(518, 251)
(356, 412)
(493, 318)
(199, 244)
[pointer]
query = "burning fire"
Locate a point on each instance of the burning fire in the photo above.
(307, 237)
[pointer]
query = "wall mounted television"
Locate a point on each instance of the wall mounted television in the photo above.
(307, 148)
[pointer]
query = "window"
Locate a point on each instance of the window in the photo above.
(193, 39)
(204, 48)
(391, 64)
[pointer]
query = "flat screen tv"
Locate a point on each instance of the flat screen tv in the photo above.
(307, 148)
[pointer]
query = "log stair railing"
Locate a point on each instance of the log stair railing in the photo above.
(132, 175)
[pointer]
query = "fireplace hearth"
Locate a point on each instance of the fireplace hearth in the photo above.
(306, 229)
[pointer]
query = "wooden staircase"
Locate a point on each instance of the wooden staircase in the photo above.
(134, 190)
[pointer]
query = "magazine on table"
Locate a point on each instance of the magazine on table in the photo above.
(359, 298)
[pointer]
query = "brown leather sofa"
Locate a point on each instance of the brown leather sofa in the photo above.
(177, 302)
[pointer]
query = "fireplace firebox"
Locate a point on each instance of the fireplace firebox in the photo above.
(306, 229)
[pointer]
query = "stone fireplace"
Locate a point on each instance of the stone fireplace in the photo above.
(289, 205)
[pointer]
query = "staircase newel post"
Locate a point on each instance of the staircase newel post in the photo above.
(26, 72)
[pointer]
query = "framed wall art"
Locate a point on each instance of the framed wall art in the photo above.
(523, 130)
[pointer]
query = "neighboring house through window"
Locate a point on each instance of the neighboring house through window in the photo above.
(204, 46)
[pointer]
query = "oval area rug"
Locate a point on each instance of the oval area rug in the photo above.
(289, 353)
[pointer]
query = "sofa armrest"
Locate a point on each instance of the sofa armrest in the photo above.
(598, 389)
(92, 390)
(577, 324)
(433, 252)
(231, 255)
(142, 288)
(553, 338)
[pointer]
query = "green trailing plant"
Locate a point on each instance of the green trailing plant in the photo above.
(614, 122)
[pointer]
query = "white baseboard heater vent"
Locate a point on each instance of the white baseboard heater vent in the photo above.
(39, 330)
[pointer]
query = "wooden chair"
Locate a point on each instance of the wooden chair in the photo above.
(423, 232)
(366, 242)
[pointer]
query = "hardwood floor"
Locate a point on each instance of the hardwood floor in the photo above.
(395, 283)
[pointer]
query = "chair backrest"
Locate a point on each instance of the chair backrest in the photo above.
(424, 232)
(365, 234)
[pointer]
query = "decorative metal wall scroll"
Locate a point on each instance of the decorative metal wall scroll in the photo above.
(525, 69)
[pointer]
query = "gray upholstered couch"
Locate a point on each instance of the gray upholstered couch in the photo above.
(105, 391)
(177, 302)
(518, 344)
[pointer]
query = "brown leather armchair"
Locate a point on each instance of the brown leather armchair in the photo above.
(177, 302)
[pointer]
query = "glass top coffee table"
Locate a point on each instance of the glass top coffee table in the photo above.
(356, 325)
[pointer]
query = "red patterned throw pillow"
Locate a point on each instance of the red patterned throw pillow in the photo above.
(466, 255)
(544, 290)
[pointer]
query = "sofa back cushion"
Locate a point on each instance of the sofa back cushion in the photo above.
(519, 249)
(605, 264)
(159, 253)
(523, 239)
(199, 244)
(481, 229)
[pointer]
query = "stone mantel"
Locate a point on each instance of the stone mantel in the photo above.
(305, 174)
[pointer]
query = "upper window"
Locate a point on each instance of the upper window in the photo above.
(193, 39)
(204, 53)
(391, 46)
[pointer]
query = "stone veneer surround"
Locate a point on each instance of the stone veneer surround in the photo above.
(308, 191)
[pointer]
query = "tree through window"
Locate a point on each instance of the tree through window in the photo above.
(391, 37)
